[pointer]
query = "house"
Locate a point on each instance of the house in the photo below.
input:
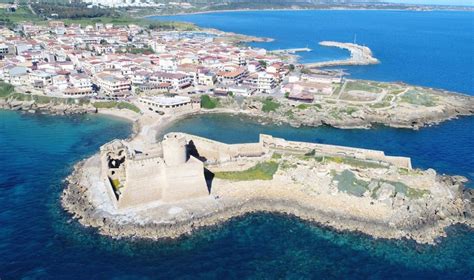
(231, 75)
(177, 80)
(113, 85)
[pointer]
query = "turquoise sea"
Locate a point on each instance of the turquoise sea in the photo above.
(39, 241)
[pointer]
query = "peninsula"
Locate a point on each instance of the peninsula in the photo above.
(142, 188)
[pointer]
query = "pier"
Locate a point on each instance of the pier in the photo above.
(360, 55)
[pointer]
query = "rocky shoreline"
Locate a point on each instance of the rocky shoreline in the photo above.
(426, 227)
(51, 108)
(404, 116)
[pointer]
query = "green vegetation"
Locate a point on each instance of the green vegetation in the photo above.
(386, 101)
(208, 102)
(303, 106)
(78, 13)
(9, 19)
(117, 105)
(172, 25)
(285, 165)
(70, 10)
(416, 193)
(116, 184)
(400, 187)
(138, 50)
(269, 105)
(348, 183)
(350, 110)
(5, 89)
(290, 114)
(276, 156)
(416, 97)
(335, 114)
(354, 162)
(362, 86)
(261, 171)
(42, 99)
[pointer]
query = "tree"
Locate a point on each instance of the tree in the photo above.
(262, 63)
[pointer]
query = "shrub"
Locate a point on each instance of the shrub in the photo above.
(270, 105)
(114, 104)
(208, 103)
(303, 106)
(6, 89)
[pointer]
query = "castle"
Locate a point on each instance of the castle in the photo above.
(166, 172)
(173, 170)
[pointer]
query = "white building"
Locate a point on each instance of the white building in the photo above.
(170, 105)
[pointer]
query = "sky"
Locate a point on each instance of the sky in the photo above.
(436, 2)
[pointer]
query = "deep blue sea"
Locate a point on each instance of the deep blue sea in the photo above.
(433, 49)
(39, 241)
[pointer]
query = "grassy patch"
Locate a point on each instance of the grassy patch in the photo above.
(303, 106)
(416, 193)
(419, 98)
(350, 110)
(400, 187)
(361, 86)
(276, 156)
(22, 14)
(384, 103)
(285, 165)
(261, 171)
(117, 105)
(348, 183)
(354, 162)
(335, 114)
(208, 102)
(269, 105)
(5, 89)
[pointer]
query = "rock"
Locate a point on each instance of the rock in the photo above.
(372, 185)
(385, 193)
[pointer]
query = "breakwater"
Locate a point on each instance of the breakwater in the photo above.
(360, 55)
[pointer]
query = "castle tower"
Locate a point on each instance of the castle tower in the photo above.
(174, 150)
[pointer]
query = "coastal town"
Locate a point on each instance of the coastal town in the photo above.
(105, 66)
(119, 62)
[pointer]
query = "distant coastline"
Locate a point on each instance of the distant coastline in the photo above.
(438, 8)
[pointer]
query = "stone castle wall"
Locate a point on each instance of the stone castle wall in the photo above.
(217, 152)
